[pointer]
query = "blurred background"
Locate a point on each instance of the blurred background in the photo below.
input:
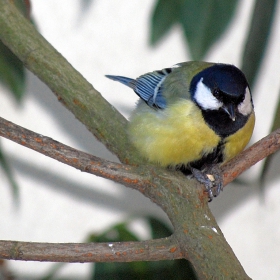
(46, 201)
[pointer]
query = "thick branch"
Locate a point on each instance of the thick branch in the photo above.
(126, 174)
(100, 117)
(150, 250)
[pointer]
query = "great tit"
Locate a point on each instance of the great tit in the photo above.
(194, 116)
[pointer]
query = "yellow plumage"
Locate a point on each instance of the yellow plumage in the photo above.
(179, 135)
(172, 136)
(236, 142)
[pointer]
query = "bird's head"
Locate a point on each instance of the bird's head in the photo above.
(222, 87)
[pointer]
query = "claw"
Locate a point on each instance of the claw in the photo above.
(204, 179)
(211, 177)
(216, 172)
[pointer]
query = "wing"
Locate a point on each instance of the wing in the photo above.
(148, 86)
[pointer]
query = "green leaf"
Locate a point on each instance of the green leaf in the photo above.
(177, 269)
(117, 271)
(183, 267)
(12, 72)
(158, 228)
(119, 232)
(186, 270)
(203, 22)
(6, 167)
(257, 39)
(165, 15)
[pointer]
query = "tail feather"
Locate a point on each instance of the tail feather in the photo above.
(124, 80)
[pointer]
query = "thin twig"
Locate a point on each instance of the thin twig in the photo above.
(257, 152)
(150, 250)
(124, 174)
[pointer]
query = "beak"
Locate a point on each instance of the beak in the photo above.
(230, 110)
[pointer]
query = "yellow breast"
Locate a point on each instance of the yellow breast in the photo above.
(235, 143)
(172, 136)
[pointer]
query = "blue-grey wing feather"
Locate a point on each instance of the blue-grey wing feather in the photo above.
(124, 80)
(148, 86)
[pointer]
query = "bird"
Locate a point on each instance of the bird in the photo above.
(193, 117)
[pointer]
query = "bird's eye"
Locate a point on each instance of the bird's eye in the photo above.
(217, 93)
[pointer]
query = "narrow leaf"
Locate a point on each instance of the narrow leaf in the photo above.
(165, 14)
(203, 22)
(158, 228)
(257, 39)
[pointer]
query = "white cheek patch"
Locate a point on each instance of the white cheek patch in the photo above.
(205, 98)
(246, 107)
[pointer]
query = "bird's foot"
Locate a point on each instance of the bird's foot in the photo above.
(211, 177)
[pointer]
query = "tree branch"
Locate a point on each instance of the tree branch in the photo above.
(257, 152)
(150, 250)
(124, 174)
(121, 173)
